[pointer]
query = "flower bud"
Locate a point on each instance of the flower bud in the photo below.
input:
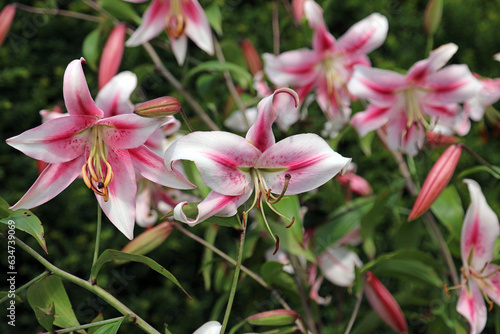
(6, 17)
(160, 107)
(279, 317)
(436, 180)
(298, 9)
(112, 54)
(149, 240)
(356, 183)
(251, 56)
(384, 304)
(433, 13)
(436, 139)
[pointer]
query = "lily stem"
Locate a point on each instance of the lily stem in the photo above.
(354, 314)
(94, 324)
(98, 234)
(95, 289)
(478, 158)
(60, 12)
(27, 285)
(236, 276)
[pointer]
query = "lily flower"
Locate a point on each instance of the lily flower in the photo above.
(480, 278)
(233, 166)
(181, 19)
(104, 150)
(404, 102)
(329, 65)
(211, 327)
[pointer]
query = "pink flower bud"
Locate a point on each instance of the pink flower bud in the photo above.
(439, 139)
(251, 56)
(149, 240)
(298, 9)
(433, 13)
(384, 304)
(6, 17)
(273, 318)
(356, 183)
(160, 107)
(436, 180)
(112, 54)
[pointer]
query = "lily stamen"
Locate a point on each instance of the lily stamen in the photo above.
(287, 181)
(277, 244)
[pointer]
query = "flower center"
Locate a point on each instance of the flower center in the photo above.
(412, 106)
(96, 172)
(176, 20)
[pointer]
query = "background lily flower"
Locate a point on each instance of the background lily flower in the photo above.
(233, 166)
(112, 54)
(106, 150)
(211, 327)
(181, 19)
(329, 65)
(403, 103)
(479, 233)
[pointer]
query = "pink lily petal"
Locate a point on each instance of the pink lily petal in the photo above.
(114, 98)
(489, 94)
(76, 92)
(370, 119)
(335, 102)
(471, 306)
(218, 156)
(323, 41)
(440, 112)
(153, 23)
(480, 230)
(179, 48)
(292, 68)
(337, 264)
(437, 59)
(120, 208)
(197, 27)
(136, 1)
(128, 130)
(306, 157)
(403, 138)
(365, 36)
(211, 327)
(491, 282)
(54, 179)
(313, 12)
(6, 17)
(144, 216)
(58, 140)
(454, 83)
(152, 167)
(356, 183)
(260, 133)
(214, 204)
(378, 86)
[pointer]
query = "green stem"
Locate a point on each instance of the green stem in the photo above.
(430, 43)
(34, 280)
(186, 120)
(95, 289)
(232, 293)
(94, 324)
(98, 234)
(354, 314)
(478, 158)
(60, 12)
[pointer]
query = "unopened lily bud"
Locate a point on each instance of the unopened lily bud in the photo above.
(433, 13)
(298, 9)
(251, 56)
(436, 180)
(440, 139)
(160, 107)
(149, 240)
(279, 317)
(112, 54)
(384, 304)
(6, 17)
(356, 183)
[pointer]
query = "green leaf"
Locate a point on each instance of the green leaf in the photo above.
(91, 50)
(50, 291)
(371, 220)
(240, 74)
(208, 255)
(214, 18)
(272, 272)
(495, 172)
(448, 209)
(92, 330)
(110, 255)
(26, 221)
(111, 328)
(45, 316)
(4, 208)
(121, 10)
(365, 143)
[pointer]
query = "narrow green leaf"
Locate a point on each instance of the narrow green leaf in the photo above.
(4, 208)
(45, 316)
(26, 221)
(92, 330)
(272, 272)
(90, 49)
(407, 268)
(240, 74)
(111, 328)
(371, 220)
(121, 10)
(208, 255)
(448, 209)
(365, 143)
(50, 291)
(214, 18)
(110, 255)
(495, 173)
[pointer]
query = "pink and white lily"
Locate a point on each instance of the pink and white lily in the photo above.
(233, 166)
(329, 65)
(181, 19)
(105, 150)
(479, 233)
(403, 103)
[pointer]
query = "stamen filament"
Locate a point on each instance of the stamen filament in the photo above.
(287, 181)
(91, 169)
(277, 244)
(265, 221)
(86, 177)
(291, 223)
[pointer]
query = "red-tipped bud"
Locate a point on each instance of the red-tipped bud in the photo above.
(384, 304)
(433, 13)
(298, 9)
(149, 240)
(6, 17)
(251, 56)
(356, 183)
(436, 180)
(112, 54)
(279, 317)
(438, 139)
(160, 107)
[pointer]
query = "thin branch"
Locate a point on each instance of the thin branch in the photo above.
(354, 314)
(60, 12)
(94, 324)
